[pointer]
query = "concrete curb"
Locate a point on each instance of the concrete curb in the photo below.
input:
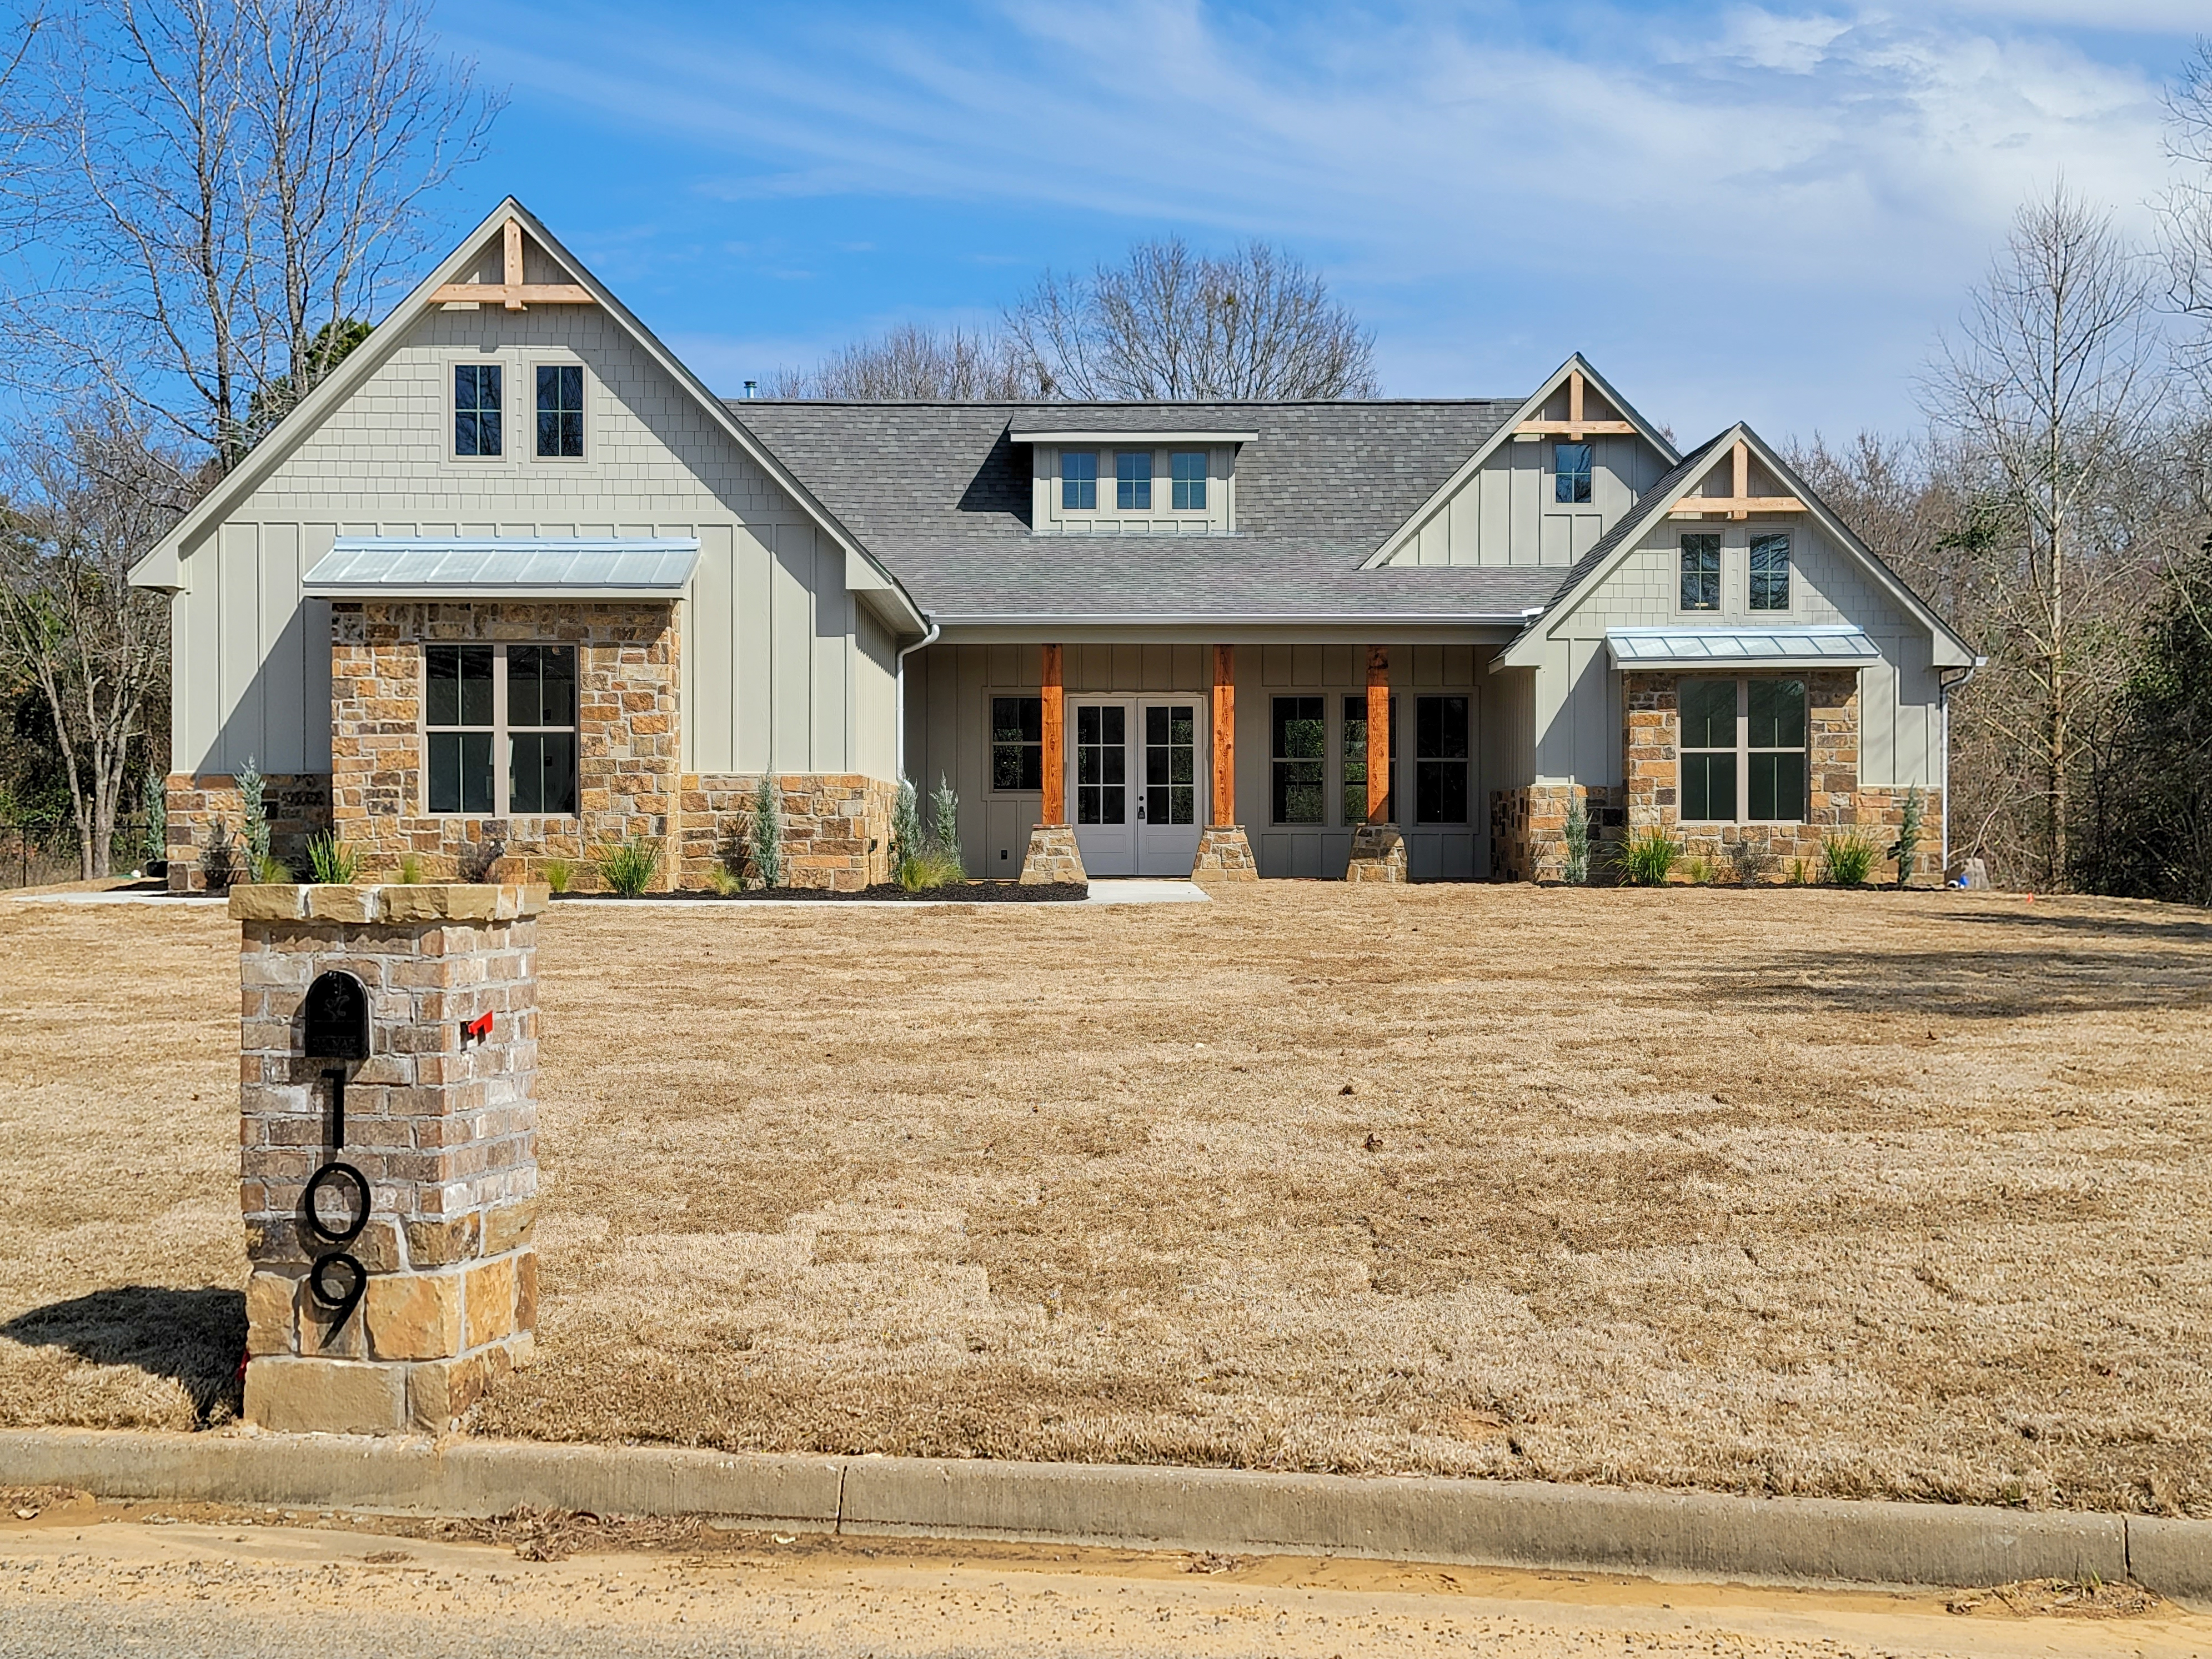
(1478, 1523)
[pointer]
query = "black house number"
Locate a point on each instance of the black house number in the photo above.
(337, 1029)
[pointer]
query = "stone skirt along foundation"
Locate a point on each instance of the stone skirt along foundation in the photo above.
(396, 1316)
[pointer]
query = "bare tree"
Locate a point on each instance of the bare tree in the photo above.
(920, 364)
(80, 511)
(225, 179)
(1169, 323)
(2045, 388)
(2185, 212)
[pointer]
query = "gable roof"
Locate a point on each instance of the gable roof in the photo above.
(1451, 486)
(162, 566)
(942, 493)
(1617, 543)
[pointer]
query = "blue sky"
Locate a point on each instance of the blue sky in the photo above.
(1761, 211)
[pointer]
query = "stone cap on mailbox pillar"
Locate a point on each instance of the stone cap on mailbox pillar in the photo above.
(389, 1187)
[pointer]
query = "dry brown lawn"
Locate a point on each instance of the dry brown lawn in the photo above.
(1782, 1192)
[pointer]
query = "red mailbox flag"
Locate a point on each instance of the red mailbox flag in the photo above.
(478, 1029)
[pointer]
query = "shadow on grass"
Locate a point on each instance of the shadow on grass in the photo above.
(193, 1337)
(2067, 978)
(2173, 925)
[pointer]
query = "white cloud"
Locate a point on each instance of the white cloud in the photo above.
(1751, 170)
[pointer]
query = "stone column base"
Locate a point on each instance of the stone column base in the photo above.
(1378, 854)
(1224, 854)
(1052, 856)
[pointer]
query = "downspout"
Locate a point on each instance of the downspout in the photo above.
(898, 700)
(1944, 689)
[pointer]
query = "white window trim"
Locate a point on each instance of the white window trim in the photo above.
(1743, 749)
(590, 406)
(449, 400)
(501, 731)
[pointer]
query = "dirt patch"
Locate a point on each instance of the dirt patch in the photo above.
(1792, 1192)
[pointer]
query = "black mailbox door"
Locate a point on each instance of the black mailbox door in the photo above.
(337, 1017)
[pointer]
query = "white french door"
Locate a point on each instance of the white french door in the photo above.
(1136, 789)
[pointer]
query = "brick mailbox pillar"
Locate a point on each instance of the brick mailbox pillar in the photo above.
(389, 1042)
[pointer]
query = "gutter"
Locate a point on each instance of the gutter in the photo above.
(898, 698)
(1944, 688)
(1227, 619)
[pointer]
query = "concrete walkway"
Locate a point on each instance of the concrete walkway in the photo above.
(1102, 892)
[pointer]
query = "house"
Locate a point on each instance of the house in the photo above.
(513, 572)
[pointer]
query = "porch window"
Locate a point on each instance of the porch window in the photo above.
(1016, 743)
(560, 410)
(1189, 468)
(1299, 752)
(1742, 741)
(1102, 763)
(485, 703)
(1440, 760)
(477, 405)
(1770, 573)
(1701, 573)
(1354, 751)
(1133, 480)
(1079, 478)
(1571, 472)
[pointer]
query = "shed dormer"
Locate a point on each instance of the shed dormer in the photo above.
(1102, 481)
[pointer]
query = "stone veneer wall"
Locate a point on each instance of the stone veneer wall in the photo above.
(441, 1123)
(298, 804)
(837, 828)
(629, 659)
(1528, 830)
(1652, 768)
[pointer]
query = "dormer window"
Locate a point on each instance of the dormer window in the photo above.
(1189, 470)
(1571, 471)
(1079, 478)
(1133, 480)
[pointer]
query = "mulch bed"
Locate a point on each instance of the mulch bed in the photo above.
(966, 892)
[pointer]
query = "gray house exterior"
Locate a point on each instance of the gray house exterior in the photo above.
(513, 572)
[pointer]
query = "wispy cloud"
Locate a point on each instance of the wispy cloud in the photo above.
(1735, 171)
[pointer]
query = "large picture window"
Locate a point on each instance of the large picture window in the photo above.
(500, 729)
(1354, 751)
(1016, 743)
(1299, 750)
(1742, 751)
(1440, 760)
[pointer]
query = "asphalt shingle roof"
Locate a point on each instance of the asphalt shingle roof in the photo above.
(940, 494)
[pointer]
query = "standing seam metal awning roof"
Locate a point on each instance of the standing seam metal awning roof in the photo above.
(1714, 647)
(508, 567)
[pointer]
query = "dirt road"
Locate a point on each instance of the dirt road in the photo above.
(78, 1579)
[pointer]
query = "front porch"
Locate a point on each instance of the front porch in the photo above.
(1220, 760)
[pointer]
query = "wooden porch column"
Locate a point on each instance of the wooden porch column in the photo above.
(1055, 740)
(1378, 732)
(1224, 736)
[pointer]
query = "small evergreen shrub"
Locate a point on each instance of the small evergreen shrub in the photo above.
(906, 824)
(330, 862)
(764, 833)
(1648, 856)
(559, 873)
(944, 815)
(1848, 858)
(1578, 841)
(628, 868)
(221, 860)
(410, 869)
(1906, 850)
(254, 811)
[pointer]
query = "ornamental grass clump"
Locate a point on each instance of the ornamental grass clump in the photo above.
(330, 862)
(628, 869)
(1648, 856)
(410, 869)
(559, 873)
(1848, 858)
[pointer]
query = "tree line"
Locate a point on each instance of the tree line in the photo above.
(201, 202)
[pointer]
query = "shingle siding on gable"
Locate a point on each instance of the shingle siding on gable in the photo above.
(774, 626)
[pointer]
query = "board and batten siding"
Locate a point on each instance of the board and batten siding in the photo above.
(1506, 512)
(1578, 715)
(783, 668)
